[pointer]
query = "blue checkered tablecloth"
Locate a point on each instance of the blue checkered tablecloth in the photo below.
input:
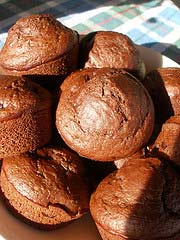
(154, 24)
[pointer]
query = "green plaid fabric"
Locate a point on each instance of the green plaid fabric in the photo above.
(154, 24)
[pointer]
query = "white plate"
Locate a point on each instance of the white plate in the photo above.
(84, 228)
(154, 59)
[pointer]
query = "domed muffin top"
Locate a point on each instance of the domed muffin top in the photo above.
(139, 199)
(104, 114)
(18, 95)
(49, 176)
(111, 49)
(34, 40)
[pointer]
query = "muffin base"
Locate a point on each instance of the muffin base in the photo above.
(110, 236)
(60, 67)
(43, 217)
(25, 132)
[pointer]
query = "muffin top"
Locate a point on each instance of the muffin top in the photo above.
(104, 114)
(139, 201)
(18, 95)
(163, 84)
(34, 40)
(49, 176)
(169, 75)
(167, 142)
(111, 49)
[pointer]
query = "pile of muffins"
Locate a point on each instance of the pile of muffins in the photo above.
(83, 128)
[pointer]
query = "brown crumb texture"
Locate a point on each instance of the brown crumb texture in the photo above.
(60, 67)
(99, 49)
(50, 215)
(25, 115)
(138, 201)
(45, 187)
(163, 84)
(26, 133)
(104, 115)
(167, 143)
(39, 44)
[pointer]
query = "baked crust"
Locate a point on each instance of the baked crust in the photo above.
(104, 114)
(167, 143)
(25, 116)
(163, 84)
(39, 44)
(111, 49)
(46, 188)
(138, 201)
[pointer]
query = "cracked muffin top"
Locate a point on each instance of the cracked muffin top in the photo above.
(139, 201)
(111, 49)
(104, 114)
(34, 40)
(49, 176)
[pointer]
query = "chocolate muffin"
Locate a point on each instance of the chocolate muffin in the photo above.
(104, 114)
(111, 49)
(46, 188)
(139, 201)
(25, 116)
(167, 144)
(163, 84)
(142, 153)
(40, 45)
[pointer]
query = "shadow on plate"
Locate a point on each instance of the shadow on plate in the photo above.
(12, 228)
(152, 59)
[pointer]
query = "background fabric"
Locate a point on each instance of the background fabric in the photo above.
(154, 24)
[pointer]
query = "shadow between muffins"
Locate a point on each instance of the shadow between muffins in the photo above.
(140, 201)
(161, 100)
(168, 204)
